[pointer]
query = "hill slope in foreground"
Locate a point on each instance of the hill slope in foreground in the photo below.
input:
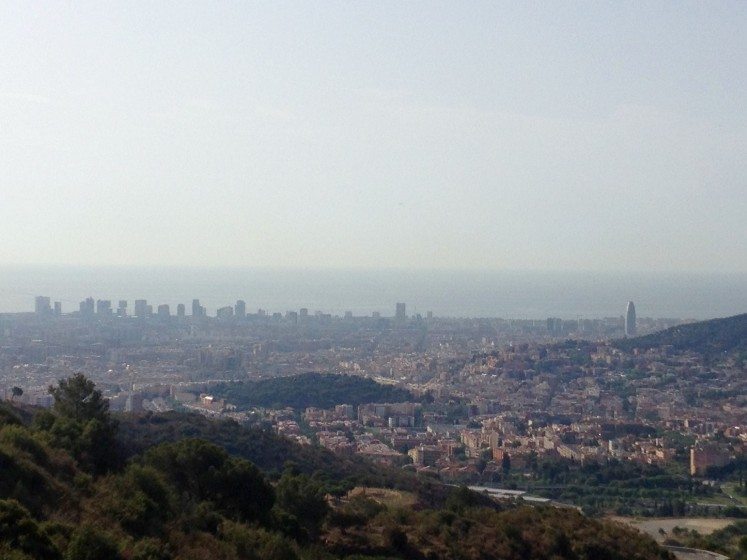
(706, 337)
(66, 494)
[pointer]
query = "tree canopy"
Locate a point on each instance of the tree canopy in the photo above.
(310, 389)
(191, 498)
(78, 399)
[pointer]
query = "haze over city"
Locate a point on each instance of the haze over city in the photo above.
(482, 136)
(373, 280)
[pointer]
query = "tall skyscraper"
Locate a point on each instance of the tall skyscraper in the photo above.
(197, 309)
(240, 309)
(141, 308)
(87, 307)
(630, 320)
(103, 307)
(42, 306)
(180, 310)
(401, 313)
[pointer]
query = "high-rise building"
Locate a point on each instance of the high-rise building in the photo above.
(42, 306)
(401, 312)
(122, 308)
(87, 307)
(630, 320)
(180, 310)
(103, 307)
(141, 308)
(58, 308)
(164, 312)
(240, 309)
(197, 309)
(707, 455)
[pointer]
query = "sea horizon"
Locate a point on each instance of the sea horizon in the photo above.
(452, 293)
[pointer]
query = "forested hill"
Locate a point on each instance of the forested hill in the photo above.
(309, 389)
(706, 337)
(187, 489)
(271, 452)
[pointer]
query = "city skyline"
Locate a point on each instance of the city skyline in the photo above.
(295, 280)
(509, 295)
(44, 306)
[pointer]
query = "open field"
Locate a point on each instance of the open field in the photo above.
(704, 525)
(391, 498)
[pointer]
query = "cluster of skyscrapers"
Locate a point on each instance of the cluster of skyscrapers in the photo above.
(43, 306)
(90, 307)
(103, 307)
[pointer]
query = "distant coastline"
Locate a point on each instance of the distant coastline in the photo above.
(506, 294)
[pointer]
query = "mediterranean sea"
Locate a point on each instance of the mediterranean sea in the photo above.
(506, 294)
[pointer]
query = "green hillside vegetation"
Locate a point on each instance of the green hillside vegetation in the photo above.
(309, 390)
(710, 338)
(269, 451)
(731, 540)
(64, 495)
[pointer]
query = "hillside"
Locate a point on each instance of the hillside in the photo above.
(706, 337)
(309, 389)
(66, 494)
(268, 451)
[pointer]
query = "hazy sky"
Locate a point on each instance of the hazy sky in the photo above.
(496, 135)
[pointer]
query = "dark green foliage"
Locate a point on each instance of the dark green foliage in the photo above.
(710, 338)
(151, 549)
(30, 472)
(303, 499)
(356, 512)
(207, 472)
(395, 539)
(731, 540)
(256, 543)
(81, 424)
(734, 469)
(461, 498)
(140, 500)
(20, 532)
(22, 439)
(267, 450)
(622, 486)
(9, 415)
(193, 499)
(513, 534)
(310, 389)
(78, 399)
(89, 543)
